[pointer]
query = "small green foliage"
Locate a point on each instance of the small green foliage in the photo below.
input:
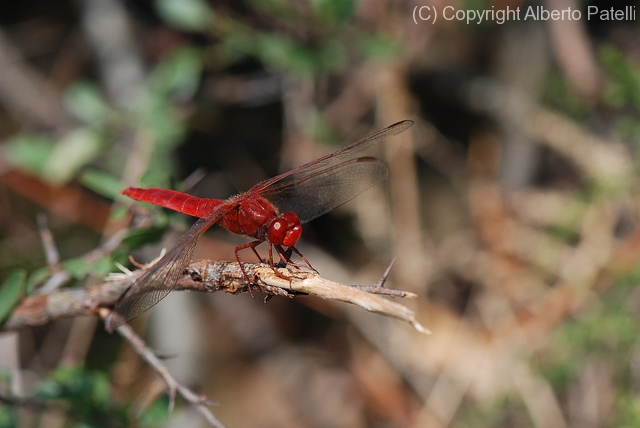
(87, 394)
(29, 152)
(7, 417)
(85, 398)
(37, 278)
(475, 4)
(157, 120)
(191, 15)
(623, 90)
(11, 292)
(71, 153)
(316, 125)
(564, 232)
(284, 52)
(87, 103)
(140, 237)
(379, 47)
(76, 384)
(493, 414)
(608, 332)
(334, 10)
(156, 413)
(561, 96)
(57, 162)
(102, 183)
(628, 411)
(179, 74)
(79, 268)
(623, 83)
(325, 42)
(629, 129)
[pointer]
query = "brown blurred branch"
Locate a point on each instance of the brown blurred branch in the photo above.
(109, 33)
(573, 49)
(25, 93)
(200, 402)
(68, 201)
(210, 276)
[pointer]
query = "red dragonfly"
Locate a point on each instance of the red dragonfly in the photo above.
(270, 211)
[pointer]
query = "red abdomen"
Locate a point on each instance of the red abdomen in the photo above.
(177, 201)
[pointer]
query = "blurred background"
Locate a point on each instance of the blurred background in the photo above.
(511, 209)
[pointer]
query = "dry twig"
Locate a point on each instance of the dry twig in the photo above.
(206, 276)
(210, 276)
(200, 402)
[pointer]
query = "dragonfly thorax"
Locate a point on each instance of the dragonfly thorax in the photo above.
(285, 229)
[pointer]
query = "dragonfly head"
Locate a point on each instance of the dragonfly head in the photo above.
(285, 229)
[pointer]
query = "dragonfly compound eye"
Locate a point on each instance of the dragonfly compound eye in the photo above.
(285, 230)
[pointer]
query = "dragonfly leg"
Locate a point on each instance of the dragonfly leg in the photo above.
(273, 266)
(253, 246)
(285, 256)
(286, 259)
(295, 250)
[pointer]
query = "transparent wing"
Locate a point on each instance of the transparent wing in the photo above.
(160, 279)
(316, 193)
(335, 157)
(309, 190)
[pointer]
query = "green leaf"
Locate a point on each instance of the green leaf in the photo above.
(274, 49)
(380, 47)
(102, 183)
(89, 389)
(238, 44)
(335, 9)
(11, 291)
(191, 15)
(118, 213)
(86, 102)
(29, 152)
(623, 84)
(140, 237)
(8, 417)
(156, 413)
(316, 125)
(87, 394)
(333, 56)
(287, 54)
(164, 125)
(37, 278)
(103, 266)
(72, 152)
(78, 268)
(283, 52)
(179, 74)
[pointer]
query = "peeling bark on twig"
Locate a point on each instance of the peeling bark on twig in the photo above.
(211, 276)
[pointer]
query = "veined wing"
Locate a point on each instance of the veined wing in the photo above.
(318, 192)
(160, 278)
(335, 157)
